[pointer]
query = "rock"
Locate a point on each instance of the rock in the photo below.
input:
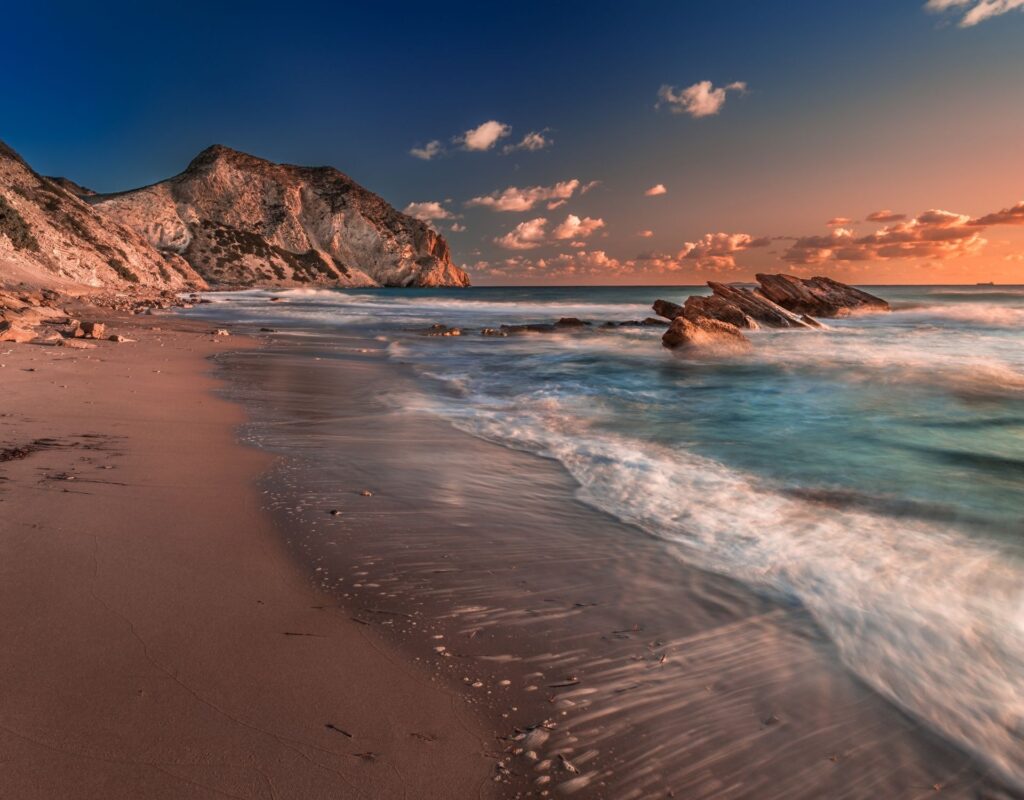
(16, 332)
(734, 300)
(239, 220)
(704, 333)
(366, 493)
(540, 327)
(89, 330)
(78, 344)
(268, 330)
(717, 307)
(571, 322)
(437, 329)
(119, 339)
(220, 332)
(820, 296)
(493, 332)
(663, 308)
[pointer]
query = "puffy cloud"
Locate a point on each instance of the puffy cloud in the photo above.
(575, 228)
(533, 233)
(657, 189)
(428, 151)
(700, 100)
(525, 236)
(534, 140)
(718, 251)
(457, 228)
(516, 199)
(935, 234)
(484, 136)
(841, 222)
(885, 215)
(427, 211)
(1014, 215)
(975, 10)
(567, 266)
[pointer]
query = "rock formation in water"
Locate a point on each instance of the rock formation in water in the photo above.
(781, 301)
(704, 332)
(819, 296)
(241, 221)
(49, 237)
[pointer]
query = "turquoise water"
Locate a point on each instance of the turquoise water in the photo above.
(871, 472)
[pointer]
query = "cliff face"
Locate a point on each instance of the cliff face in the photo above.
(242, 221)
(50, 237)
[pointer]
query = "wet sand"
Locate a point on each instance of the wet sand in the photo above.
(608, 667)
(158, 640)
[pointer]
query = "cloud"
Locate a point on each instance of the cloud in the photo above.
(427, 211)
(700, 100)
(1014, 215)
(976, 10)
(718, 251)
(885, 215)
(645, 234)
(839, 222)
(516, 199)
(484, 136)
(582, 263)
(428, 151)
(533, 233)
(935, 234)
(534, 140)
(657, 189)
(457, 228)
(525, 236)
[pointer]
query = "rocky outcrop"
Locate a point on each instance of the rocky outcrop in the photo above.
(50, 237)
(704, 333)
(242, 221)
(819, 296)
(729, 308)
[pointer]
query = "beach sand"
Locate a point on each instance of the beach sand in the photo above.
(158, 640)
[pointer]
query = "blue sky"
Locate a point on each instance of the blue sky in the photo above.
(850, 107)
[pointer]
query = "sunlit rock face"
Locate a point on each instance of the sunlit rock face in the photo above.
(242, 221)
(50, 237)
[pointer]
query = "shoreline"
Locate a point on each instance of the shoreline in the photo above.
(160, 642)
(615, 685)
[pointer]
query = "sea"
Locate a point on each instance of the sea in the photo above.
(870, 473)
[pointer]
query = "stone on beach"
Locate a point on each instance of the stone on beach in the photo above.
(89, 330)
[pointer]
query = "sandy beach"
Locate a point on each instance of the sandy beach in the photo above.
(159, 641)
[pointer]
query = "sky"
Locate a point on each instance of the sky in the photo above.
(876, 141)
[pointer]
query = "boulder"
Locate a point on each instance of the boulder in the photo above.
(571, 322)
(666, 309)
(16, 332)
(437, 329)
(89, 330)
(820, 296)
(702, 333)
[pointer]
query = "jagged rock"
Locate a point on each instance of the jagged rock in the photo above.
(493, 332)
(16, 332)
(666, 309)
(820, 296)
(51, 237)
(717, 307)
(571, 322)
(704, 332)
(753, 305)
(88, 330)
(242, 221)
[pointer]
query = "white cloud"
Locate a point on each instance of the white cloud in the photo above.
(657, 189)
(534, 233)
(484, 136)
(700, 100)
(525, 236)
(535, 140)
(575, 228)
(427, 211)
(457, 228)
(428, 151)
(976, 10)
(524, 199)
(645, 234)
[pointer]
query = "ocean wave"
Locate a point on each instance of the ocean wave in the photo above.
(931, 619)
(981, 314)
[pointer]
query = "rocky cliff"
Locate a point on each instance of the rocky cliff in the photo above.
(50, 237)
(242, 221)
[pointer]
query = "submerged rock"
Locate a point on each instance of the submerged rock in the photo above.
(820, 296)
